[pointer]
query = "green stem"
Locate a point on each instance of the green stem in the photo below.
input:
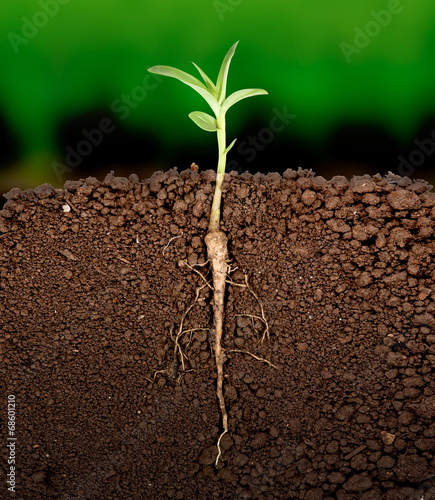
(216, 205)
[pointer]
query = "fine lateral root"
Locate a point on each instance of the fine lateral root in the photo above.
(266, 333)
(173, 371)
(243, 351)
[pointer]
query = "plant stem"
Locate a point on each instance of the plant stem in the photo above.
(216, 205)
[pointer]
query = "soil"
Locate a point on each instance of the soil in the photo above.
(93, 288)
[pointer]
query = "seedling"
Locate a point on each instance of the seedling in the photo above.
(215, 95)
(215, 240)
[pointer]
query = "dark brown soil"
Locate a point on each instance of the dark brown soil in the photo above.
(89, 298)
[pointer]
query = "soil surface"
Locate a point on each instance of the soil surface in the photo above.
(96, 278)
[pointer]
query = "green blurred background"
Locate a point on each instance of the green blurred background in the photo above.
(351, 87)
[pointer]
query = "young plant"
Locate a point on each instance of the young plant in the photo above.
(215, 240)
(215, 95)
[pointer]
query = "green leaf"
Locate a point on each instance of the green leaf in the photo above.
(230, 146)
(238, 96)
(210, 85)
(221, 84)
(204, 121)
(188, 80)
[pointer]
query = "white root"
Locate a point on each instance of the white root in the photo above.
(217, 251)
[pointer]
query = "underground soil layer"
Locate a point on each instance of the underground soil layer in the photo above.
(97, 277)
